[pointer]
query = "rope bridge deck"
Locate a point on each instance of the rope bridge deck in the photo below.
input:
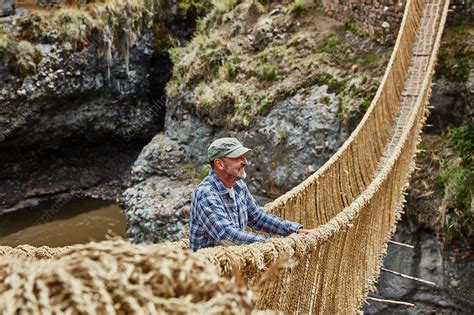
(354, 201)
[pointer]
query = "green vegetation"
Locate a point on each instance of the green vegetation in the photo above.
(267, 72)
(325, 100)
(330, 80)
(370, 61)
(351, 99)
(355, 28)
(203, 172)
(329, 45)
(456, 52)
(21, 56)
(223, 6)
(113, 25)
(234, 77)
(282, 136)
(462, 140)
(457, 183)
(298, 6)
(230, 68)
(188, 169)
(264, 105)
(456, 216)
(162, 37)
(190, 11)
(365, 105)
(214, 54)
(343, 54)
(421, 150)
(190, 172)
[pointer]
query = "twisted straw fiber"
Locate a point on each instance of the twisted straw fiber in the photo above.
(354, 201)
(114, 275)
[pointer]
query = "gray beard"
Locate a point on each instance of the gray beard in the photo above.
(243, 176)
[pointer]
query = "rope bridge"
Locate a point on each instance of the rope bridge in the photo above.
(354, 202)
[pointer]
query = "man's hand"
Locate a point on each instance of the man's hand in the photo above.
(305, 232)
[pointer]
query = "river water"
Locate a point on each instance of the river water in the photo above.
(78, 221)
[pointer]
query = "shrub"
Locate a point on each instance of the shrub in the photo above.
(223, 6)
(298, 6)
(330, 44)
(264, 104)
(462, 140)
(282, 135)
(365, 105)
(355, 28)
(455, 53)
(190, 11)
(326, 100)
(203, 172)
(214, 53)
(267, 72)
(456, 216)
(22, 57)
(457, 183)
(230, 68)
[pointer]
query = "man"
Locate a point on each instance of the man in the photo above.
(222, 205)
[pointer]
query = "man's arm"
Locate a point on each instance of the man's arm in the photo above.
(216, 222)
(261, 220)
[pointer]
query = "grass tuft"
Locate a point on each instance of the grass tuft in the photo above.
(267, 72)
(462, 140)
(264, 105)
(456, 215)
(456, 53)
(299, 6)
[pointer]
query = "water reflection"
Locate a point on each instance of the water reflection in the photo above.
(78, 221)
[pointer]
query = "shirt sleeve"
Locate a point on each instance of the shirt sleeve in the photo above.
(261, 220)
(217, 224)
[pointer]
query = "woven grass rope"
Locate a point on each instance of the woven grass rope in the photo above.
(354, 201)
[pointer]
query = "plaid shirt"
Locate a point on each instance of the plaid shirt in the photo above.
(216, 217)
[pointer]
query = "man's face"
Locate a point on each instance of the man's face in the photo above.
(234, 168)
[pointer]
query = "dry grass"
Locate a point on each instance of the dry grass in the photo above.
(116, 276)
(228, 73)
(20, 55)
(112, 25)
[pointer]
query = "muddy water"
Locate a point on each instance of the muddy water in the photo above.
(78, 221)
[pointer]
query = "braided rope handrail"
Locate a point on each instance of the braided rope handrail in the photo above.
(354, 200)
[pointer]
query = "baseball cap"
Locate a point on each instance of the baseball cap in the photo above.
(226, 147)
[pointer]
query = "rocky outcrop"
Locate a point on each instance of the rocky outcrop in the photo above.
(157, 205)
(70, 95)
(289, 144)
(158, 209)
(75, 115)
(451, 271)
(295, 139)
(79, 81)
(71, 100)
(294, 115)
